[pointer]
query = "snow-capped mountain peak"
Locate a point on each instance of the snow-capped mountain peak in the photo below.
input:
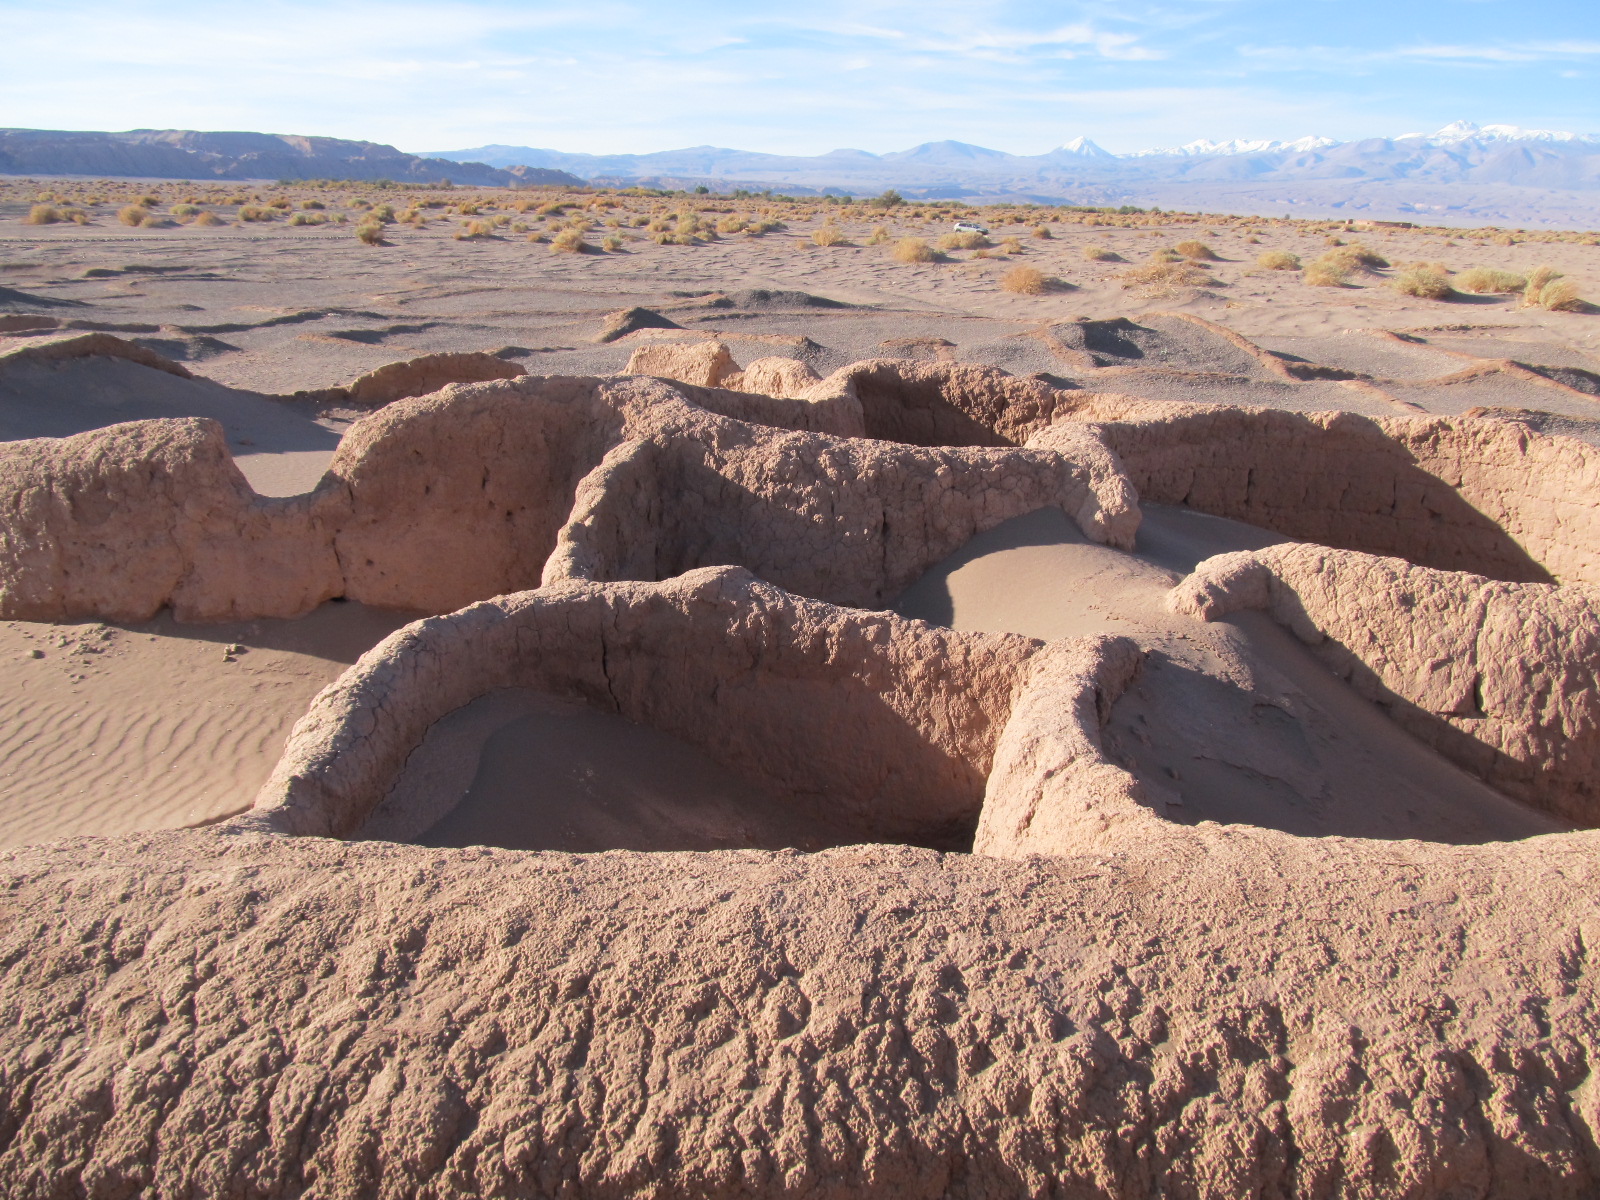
(1206, 147)
(1083, 148)
(1458, 132)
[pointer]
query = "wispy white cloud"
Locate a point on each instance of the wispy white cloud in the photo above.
(618, 75)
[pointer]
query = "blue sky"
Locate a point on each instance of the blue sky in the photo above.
(612, 75)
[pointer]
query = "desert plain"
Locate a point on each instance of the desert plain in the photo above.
(608, 693)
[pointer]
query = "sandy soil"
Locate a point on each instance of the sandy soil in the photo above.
(527, 771)
(126, 728)
(1249, 728)
(107, 729)
(274, 309)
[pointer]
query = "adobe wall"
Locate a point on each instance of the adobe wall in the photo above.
(850, 521)
(887, 723)
(1488, 497)
(1499, 677)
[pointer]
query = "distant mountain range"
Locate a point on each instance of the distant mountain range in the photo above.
(1463, 173)
(1498, 172)
(188, 154)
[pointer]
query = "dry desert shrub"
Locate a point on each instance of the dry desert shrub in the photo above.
(1424, 282)
(914, 250)
(829, 235)
(133, 214)
(1042, 231)
(1561, 295)
(382, 212)
(255, 212)
(1010, 246)
(1096, 253)
(1503, 239)
(962, 241)
(1540, 276)
(1550, 290)
(1326, 274)
(1487, 281)
(281, 203)
(1196, 251)
(370, 233)
(312, 205)
(880, 236)
(1354, 257)
(43, 214)
(1158, 277)
(1278, 260)
(569, 241)
(206, 217)
(612, 244)
(185, 212)
(1025, 281)
(473, 230)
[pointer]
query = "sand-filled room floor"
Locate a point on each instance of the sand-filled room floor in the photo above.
(731, 715)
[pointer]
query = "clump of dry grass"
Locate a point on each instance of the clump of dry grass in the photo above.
(880, 236)
(370, 233)
(612, 244)
(1424, 282)
(1196, 251)
(914, 250)
(185, 212)
(473, 230)
(207, 217)
(1042, 231)
(962, 241)
(829, 235)
(133, 214)
(1011, 246)
(1323, 273)
(1354, 257)
(1278, 260)
(569, 241)
(1158, 277)
(1025, 281)
(256, 212)
(1487, 281)
(1503, 239)
(312, 205)
(1098, 253)
(1548, 289)
(43, 214)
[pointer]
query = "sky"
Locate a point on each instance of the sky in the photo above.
(615, 76)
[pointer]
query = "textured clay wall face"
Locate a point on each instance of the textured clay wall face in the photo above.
(852, 522)
(1459, 495)
(946, 404)
(1500, 677)
(458, 496)
(121, 521)
(887, 724)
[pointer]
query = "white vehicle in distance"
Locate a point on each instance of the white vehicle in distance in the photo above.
(970, 227)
